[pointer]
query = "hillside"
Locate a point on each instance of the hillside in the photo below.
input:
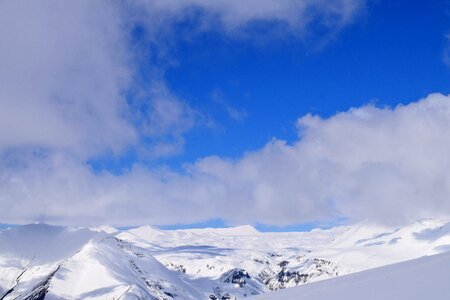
(419, 279)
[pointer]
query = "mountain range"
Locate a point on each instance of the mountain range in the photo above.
(39, 261)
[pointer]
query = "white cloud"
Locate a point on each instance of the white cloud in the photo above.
(164, 120)
(232, 15)
(446, 55)
(386, 164)
(221, 101)
(64, 66)
(65, 70)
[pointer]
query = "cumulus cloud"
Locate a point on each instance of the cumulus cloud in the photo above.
(67, 72)
(66, 67)
(63, 69)
(385, 164)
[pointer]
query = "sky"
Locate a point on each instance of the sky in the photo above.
(281, 114)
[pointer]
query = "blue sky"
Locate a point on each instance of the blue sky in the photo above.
(392, 53)
(193, 113)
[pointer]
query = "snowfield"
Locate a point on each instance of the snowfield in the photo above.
(419, 279)
(40, 261)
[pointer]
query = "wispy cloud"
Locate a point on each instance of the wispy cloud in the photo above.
(234, 113)
(234, 15)
(446, 55)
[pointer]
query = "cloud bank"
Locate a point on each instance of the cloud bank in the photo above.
(65, 83)
(385, 164)
(63, 68)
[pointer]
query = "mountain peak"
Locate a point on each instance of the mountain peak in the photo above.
(146, 232)
(243, 230)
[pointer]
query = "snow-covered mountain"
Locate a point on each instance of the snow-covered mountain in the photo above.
(39, 261)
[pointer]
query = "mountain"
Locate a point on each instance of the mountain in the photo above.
(418, 279)
(40, 261)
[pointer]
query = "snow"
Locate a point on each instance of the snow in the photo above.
(235, 262)
(104, 270)
(147, 232)
(74, 263)
(420, 279)
(243, 230)
(105, 228)
(41, 242)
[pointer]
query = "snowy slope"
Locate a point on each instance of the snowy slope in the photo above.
(39, 261)
(420, 279)
(28, 254)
